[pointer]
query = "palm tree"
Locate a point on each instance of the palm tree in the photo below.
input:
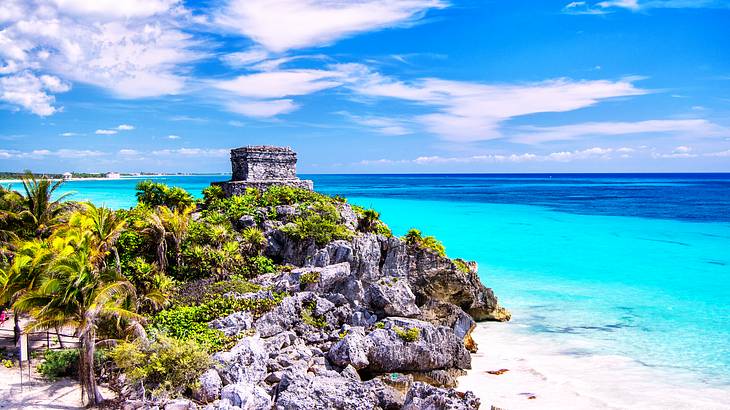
(74, 292)
(176, 223)
(42, 211)
(153, 228)
(29, 264)
(369, 220)
(11, 220)
(106, 228)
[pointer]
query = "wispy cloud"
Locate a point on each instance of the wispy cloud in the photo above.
(691, 128)
(610, 6)
(105, 132)
(381, 125)
(125, 127)
(188, 152)
(173, 137)
(43, 153)
(294, 24)
(469, 111)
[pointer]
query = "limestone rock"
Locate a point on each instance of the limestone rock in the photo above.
(351, 350)
(234, 323)
(421, 396)
(452, 316)
(245, 363)
(437, 347)
(323, 393)
(180, 404)
(210, 387)
(247, 396)
(391, 296)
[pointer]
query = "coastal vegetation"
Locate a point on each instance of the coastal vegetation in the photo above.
(157, 292)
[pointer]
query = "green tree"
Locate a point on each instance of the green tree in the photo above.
(39, 205)
(74, 292)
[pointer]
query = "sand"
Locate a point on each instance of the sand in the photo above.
(542, 375)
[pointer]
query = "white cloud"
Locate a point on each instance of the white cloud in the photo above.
(245, 58)
(278, 84)
(694, 127)
(564, 156)
(43, 153)
(197, 152)
(280, 25)
(105, 132)
(173, 137)
(238, 124)
(262, 109)
(68, 134)
(382, 125)
(723, 154)
(469, 111)
(603, 7)
(125, 127)
(133, 48)
(26, 90)
(128, 152)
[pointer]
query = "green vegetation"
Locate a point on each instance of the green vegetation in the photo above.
(166, 366)
(461, 265)
(310, 318)
(430, 243)
(309, 277)
(153, 194)
(408, 335)
(369, 221)
(320, 222)
(59, 363)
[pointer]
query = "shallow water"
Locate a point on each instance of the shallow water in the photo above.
(629, 265)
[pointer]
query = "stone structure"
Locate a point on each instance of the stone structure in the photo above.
(261, 167)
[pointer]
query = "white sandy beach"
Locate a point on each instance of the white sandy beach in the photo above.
(557, 380)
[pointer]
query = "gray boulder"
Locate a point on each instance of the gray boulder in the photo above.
(392, 296)
(351, 350)
(233, 324)
(180, 404)
(336, 278)
(245, 363)
(210, 385)
(437, 347)
(246, 221)
(452, 316)
(421, 396)
(310, 392)
(247, 396)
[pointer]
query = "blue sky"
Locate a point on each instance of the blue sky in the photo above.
(374, 86)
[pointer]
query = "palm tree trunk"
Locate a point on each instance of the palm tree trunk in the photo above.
(16, 328)
(58, 336)
(86, 371)
(116, 259)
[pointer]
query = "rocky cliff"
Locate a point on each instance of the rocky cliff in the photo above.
(370, 322)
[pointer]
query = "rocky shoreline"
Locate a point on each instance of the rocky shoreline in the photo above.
(368, 322)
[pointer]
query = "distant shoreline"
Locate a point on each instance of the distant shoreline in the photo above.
(115, 179)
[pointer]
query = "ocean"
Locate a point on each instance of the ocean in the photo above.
(632, 265)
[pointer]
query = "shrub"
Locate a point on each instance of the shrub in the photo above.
(310, 318)
(461, 265)
(320, 222)
(430, 243)
(408, 335)
(213, 193)
(8, 363)
(309, 277)
(191, 322)
(253, 241)
(154, 194)
(166, 365)
(59, 363)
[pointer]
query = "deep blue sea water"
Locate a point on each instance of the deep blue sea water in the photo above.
(632, 264)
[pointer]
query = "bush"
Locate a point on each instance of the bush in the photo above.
(430, 243)
(59, 363)
(154, 194)
(166, 365)
(309, 277)
(409, 335)
(320, 222)
(310, 318)
(461, 265)
(191, 322)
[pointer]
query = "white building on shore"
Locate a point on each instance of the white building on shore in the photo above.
(112, 175)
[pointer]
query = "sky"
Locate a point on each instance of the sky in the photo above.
(366, 86)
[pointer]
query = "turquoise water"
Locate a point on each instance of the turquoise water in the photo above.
(635, 265)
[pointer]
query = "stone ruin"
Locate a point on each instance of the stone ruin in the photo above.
(262, 166)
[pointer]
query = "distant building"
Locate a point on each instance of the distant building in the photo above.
(67, 175)
(112, 175)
